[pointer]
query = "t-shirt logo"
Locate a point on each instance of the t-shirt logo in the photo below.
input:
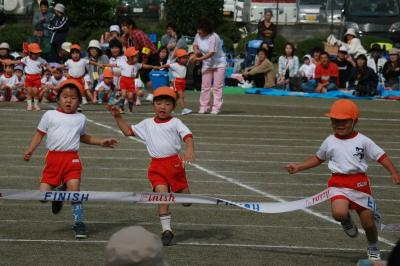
(359, 153)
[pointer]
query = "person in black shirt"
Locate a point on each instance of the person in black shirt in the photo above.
(345, 65)
(363, 78)
(391, 70)
(267, 32)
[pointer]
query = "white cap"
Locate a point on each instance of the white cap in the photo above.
(60, 8)
(66, 46)
(343, 49)
(350, 31)
(94, 44)
(307, 56)
(134, 245)
(4, 45)
(115, 28)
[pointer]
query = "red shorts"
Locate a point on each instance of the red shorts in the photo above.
(33, 81)
(168, 171)
(127, 83)
(179, 84)
(61, 166)
(359, 182)
(82, 82)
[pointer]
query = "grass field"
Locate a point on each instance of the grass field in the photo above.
(241, 156)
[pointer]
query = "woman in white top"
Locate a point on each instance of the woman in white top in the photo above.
(288, 66)
(354, 44)
(207, 49)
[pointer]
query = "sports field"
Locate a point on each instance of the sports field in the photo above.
(241, 155)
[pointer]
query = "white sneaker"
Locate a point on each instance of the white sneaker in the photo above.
(29, 108)
(37, 107)
(149, 97)
(14, 99)
(202, 111)
(138, 101)
(186, 111)
(214, 112)
(350, 227)
(373, 253)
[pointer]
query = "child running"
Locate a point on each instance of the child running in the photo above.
(178, 70)
(347, 151)
(162, 135)
(65, 129)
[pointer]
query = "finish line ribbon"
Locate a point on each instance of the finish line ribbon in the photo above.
(360, 198)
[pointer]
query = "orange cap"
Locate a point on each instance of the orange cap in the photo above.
(72, 82)
(76, 47)
(34, 48)
(343, 109)
(180, 53)
(131, 51)
(165, 91)
(107, 73)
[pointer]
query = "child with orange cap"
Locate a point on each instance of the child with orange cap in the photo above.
(106, 86)
(178, 71)
(347, 151)
(162, 135)
(34, 65)
(64, 129)
(127, 84)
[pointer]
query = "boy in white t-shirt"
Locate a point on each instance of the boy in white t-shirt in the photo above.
(53, 84)
(178, 71)
(347, 151)
(104, 88)
(8, 82)
(65, 129)
(162, 136)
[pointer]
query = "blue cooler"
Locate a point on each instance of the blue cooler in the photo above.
(158, 78)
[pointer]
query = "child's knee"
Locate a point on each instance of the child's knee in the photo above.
(340, 214)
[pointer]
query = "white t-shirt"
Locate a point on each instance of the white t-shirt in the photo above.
(349, 156)
(33, 67)
(177, 70)
(63, 130)
(211, 43)
(10, 82)
(102, 85)
(77, 69)
(54, 82)
(308, 70)
(20, 82)
(128, 70)
(117, 60)
(163, 139)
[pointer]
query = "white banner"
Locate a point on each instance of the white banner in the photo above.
(362, 199)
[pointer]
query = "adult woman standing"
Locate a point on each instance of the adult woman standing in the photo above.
(207, 49)
(267, 32)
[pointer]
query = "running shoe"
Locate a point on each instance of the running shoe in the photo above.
(166, 238)
(186, 111)
(56, 206)
(373, 253)
(350, 227)
(80, 230)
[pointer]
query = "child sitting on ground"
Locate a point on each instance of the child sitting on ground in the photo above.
(105, 88)
(162, 135)
(8, 82)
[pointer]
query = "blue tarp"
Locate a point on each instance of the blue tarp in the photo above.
(331, 94)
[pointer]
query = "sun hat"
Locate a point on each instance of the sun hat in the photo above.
(34, 48)
(115, 28)
(343, 49)
(66, 46)
(164, 91)
(394, 51)
(94, 44)
(350, 31)
(75, 47)
(4, 45)
(71, 82)
(60, 8)
(131, 51)
(344, 109)
(181, 53)
(107, 73)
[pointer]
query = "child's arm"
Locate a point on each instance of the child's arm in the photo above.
(122, 124)
(146, 66)
(10, 62)
(189, 152)
(37, 138)
(106, 143)
(312, 162)
(387, 163)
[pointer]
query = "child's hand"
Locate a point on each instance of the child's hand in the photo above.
(396, 178)
(113, 110)
(27, 155)
(109, 143)
(292, 168)
(188, 157)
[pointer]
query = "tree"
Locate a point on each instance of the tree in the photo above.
(186, 13)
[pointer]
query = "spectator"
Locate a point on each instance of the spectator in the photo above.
(4, 54)
(207, 49)
(363, 78)
(114, 32)
(261, 74)
(288, 65)
(43, 41)
(376, 61)
(345, 65)
(307, 71)
(326, 74)
(355, 47)
(134, 246)
(267, 32)
(173, 40)
(316, 53)
(64, 54)
(134, 37)
(391, 70)
(42, 18)
(59, 27)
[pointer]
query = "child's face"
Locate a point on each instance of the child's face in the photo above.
(93, 52)
(108, 81)
(316, 56)
(57, 74)
(115, 51)
(342, 127)
(3, 52)
(69, 100)
(114, 34)
(19, 73)
(163, 108)
(133, 59)
(306, 61)
(9, 70)
(75, 55)
(34, 56)
(163, 54)
(183, 60)
(125, 28)
(341, 55)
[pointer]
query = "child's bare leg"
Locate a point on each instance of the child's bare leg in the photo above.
(29, 97)
(130, 100)
(45, 187)
(340, 210)
(181, 99)
(36, 97)
(368, 223)
(95, 96)
(138, 93)
(89, 94)
(163, 210)
(185, 191)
